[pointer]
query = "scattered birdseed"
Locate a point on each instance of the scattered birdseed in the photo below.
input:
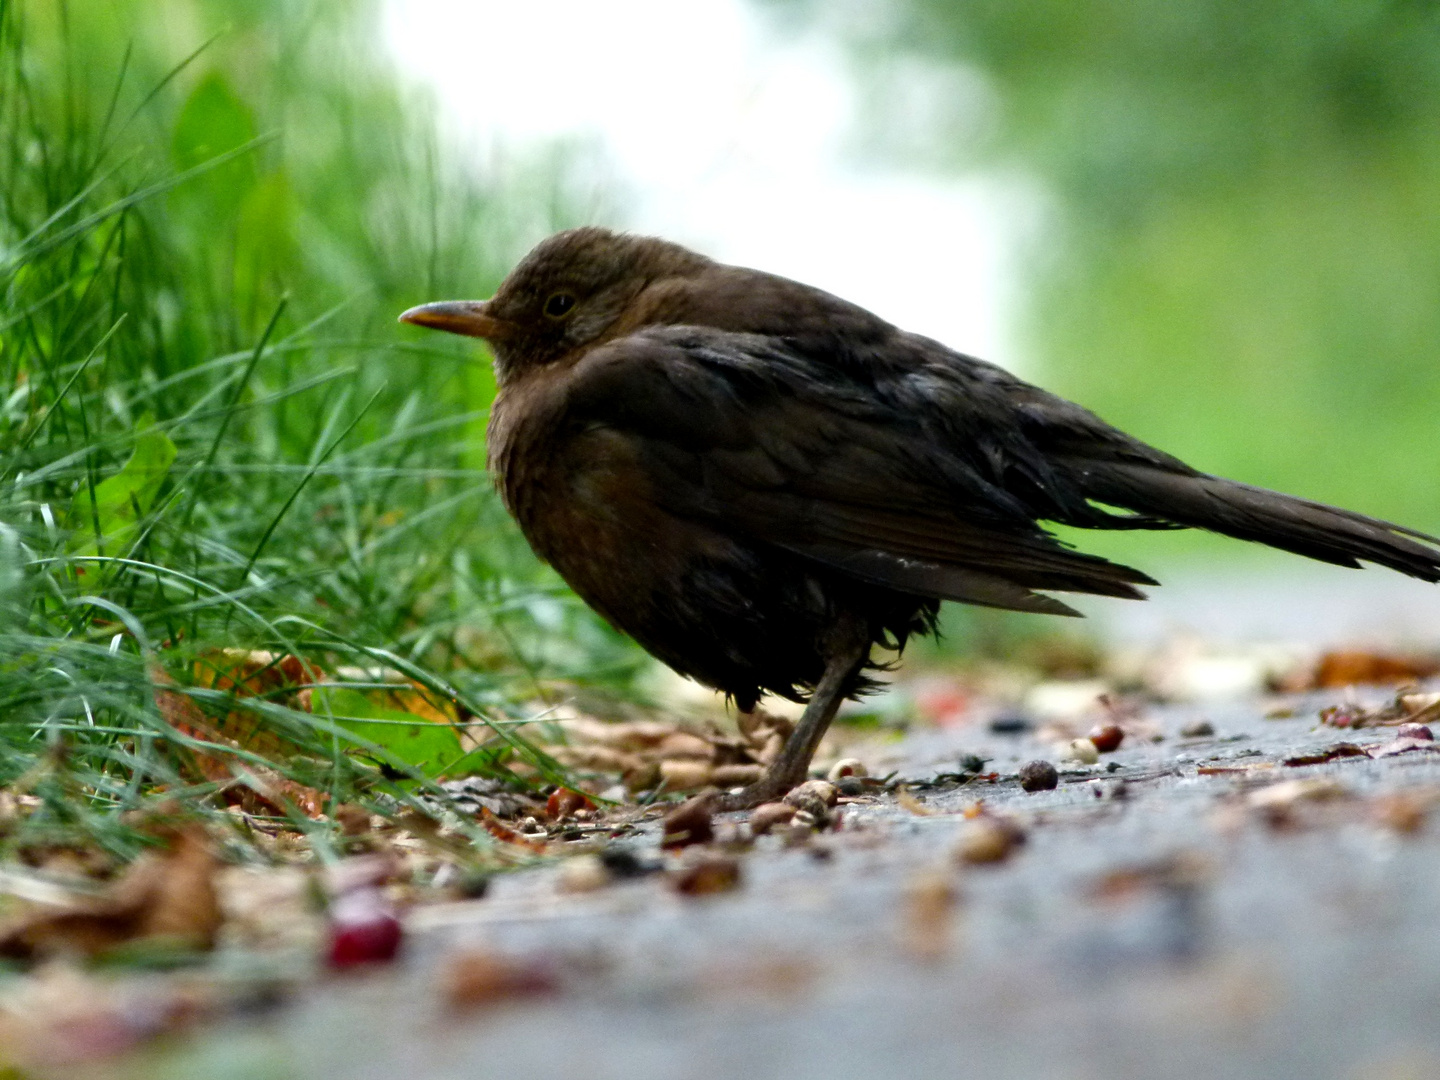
(1038, 776)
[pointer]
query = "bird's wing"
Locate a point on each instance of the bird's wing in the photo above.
(847, 469)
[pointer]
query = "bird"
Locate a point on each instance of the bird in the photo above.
(760, 482)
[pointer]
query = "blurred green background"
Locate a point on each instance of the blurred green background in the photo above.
(1242, 263)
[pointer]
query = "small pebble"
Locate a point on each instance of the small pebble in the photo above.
(473, 884)
(815, 797)
(715, 874)
(1107, 737)
(846, 767)
(988, 839)
(768, 815)
(624, 863)
(1198, 730)
(689, 823)
(583, 873)
(1083, 751)
(1038, 776)
(1009, 724)
(1414, 731)
(823, 790)
(850, 786)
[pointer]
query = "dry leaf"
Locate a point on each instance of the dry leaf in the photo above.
(709, 875)
(689, 823)
(480, 979)
(167, 895)
(1330, 753)
(1402, 746)
(1352, 667)
(929, 915)
(256, 783)
(1287, 793)
(909, 802)
(502, 832)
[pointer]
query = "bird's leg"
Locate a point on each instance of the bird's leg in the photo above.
(848, 649)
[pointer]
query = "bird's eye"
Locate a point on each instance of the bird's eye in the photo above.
(559, 305)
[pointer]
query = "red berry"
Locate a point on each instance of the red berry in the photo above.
(363, 930)
(1106, 737)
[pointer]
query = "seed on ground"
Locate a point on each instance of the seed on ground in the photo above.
(1038, 776)
(1107, 737)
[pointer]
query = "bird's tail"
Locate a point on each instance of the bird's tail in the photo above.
(1197, 500)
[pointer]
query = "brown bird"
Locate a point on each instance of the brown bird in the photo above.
(758, 481)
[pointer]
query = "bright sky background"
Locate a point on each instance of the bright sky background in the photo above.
(725, 136)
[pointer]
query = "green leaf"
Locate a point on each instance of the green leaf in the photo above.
(111, 514)
(420, 744)
(265, 247)
(213, 121)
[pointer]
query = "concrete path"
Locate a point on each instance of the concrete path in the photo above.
(1181, 914)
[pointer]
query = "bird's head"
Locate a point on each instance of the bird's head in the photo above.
(569, 293)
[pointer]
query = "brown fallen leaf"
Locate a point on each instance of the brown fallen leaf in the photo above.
(168, 895)
(909, 802)
(689, 823)
(506, 835)
(685, 774)
(1227, 770)
(1289, 792)
(1420, 708)
(767, 816)
(1181, 870)
(1355, 666)
(1403, 812)
(728, 776)
(1330, 753)
(931, 899)
(1402, 746)
(682, 745)
(1278, 803)
(780, 980)
(564, 803)
(247, 784)
(481, 979)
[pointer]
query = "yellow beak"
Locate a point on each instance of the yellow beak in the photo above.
(468, 317)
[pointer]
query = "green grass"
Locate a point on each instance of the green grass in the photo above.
(214, 436)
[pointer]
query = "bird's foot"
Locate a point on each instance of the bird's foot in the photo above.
(775, 784)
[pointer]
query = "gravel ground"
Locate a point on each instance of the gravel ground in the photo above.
(1179, 924)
